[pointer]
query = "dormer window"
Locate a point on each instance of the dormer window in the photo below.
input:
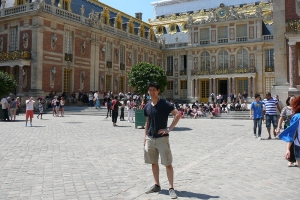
(65, 4)
(20, 2)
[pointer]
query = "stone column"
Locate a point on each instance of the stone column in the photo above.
(292, 66)
(249, 86)
(214, 87)
(210, 88)
(229, 89)
(197, 89)
(193, 88)
(233, 85)
(11, 70)
(253, 86)
(20, 83)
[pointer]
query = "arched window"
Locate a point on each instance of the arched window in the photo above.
(242, 58)
(205, 61)
(223, 59)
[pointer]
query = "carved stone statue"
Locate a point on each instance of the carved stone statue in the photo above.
(53, 41)
(232, 14)
(52, 76)
(82, 10)
(83, 47)
(190, 20)
(52, 2)
(101, 81)
(258, 12)
(95, 18)
(25, 40)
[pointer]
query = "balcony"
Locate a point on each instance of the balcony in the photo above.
(169, 73)
(68, 57)
(204, 72)
(222, 41)
(268, 37)
(269, 69)
(15, 55)
(108, 64)
(122, 66)
(241, 39)
(293, 25)
(183, 72)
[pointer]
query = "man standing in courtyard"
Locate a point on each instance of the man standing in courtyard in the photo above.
(5, 106)
(29, 109)
(156, 141)
(256, 113)
(271, 106)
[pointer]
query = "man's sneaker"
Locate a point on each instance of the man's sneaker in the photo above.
(25, 125)
(259, 138)
(154, 188)
(172, 193)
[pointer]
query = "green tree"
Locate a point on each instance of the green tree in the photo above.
(144, 73)
(7, 83)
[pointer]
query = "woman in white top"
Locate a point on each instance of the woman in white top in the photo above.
(62, 106)
(130, 107)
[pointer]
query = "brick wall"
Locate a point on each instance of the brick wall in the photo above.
(47, 42)
(290, 10)
(5, 42)
(46, 78)
(78, 48)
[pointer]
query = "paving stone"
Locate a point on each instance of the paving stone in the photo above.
(84, 157)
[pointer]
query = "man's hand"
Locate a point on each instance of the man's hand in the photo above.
(163, 131)
(144, 141)
(250, 117)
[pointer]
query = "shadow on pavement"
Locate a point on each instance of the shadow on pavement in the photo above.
(190, 194)
(182, 129)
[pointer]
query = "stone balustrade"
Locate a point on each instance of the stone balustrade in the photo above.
(204, 72)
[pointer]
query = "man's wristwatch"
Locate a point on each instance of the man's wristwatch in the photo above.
(168, 129)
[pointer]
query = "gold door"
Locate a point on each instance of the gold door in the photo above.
(204, 93)
(67, 81)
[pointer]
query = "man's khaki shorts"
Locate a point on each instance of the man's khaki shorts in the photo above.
(158, 146)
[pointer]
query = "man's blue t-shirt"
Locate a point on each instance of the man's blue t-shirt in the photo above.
(257, 107)
(158, 116)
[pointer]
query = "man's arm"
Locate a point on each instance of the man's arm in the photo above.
(174, 122)
(146, 129)
(251, 113)
(278, 107)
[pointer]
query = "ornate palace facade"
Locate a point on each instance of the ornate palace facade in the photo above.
(204, 46)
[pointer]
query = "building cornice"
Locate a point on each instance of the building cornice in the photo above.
(169, 2)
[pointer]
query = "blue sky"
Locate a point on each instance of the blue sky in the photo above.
(130, 7)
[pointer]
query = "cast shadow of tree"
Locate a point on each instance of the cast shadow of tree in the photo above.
(190, 194)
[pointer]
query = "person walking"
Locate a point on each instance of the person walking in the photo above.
(286, 116)
(62, 106)
(271, 106)
(115, 110)
(29, 109)
(130, 108)
(256, 113)
(292, 133)
(122, 112)
(108, 105)
(4, 104)
(41, 107)
(13, 109)
(156, 139)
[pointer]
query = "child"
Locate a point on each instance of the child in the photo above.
(122, 112)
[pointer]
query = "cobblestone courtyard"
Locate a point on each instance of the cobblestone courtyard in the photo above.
(85, 157)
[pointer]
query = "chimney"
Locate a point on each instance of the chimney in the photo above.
(139, 15)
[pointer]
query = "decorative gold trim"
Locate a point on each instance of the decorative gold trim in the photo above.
(173, 28)
(131, 26)
(69, 2)
(17, 2)
(119, 21)
(105, 16)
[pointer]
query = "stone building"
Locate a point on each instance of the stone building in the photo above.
(287, 47)
(216, 46)
(204, 46)
(67, 45)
